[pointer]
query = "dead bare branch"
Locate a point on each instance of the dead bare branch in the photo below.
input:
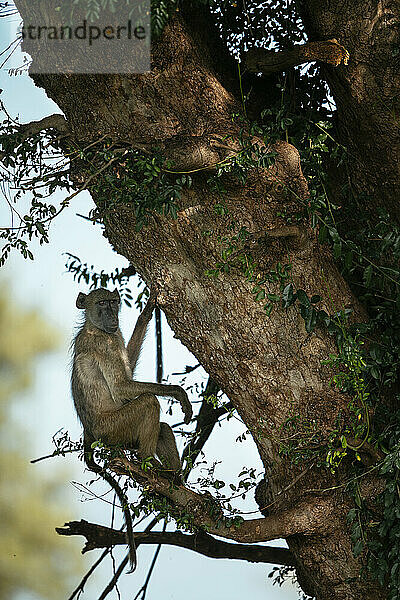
(99, 537)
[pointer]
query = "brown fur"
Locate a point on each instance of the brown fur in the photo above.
(111, 406)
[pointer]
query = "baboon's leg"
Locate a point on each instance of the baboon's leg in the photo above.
(166, 448)
(137, 423)
(147, 427)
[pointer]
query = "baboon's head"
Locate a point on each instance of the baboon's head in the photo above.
(101, 308)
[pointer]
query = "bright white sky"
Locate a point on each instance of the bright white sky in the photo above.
(179, 574)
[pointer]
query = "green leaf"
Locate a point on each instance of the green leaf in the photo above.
(303, 298)
(367, 276)
(375, 372)
(273, 297)
(40, 228)
(260, 296)
(311, 320)
(358, 548)
(268, 308)
(337, 250)
(348, 261)
(288, 298)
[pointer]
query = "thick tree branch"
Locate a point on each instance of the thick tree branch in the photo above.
(55, 121)
(313, 516)
(100, 537)
(260, 60)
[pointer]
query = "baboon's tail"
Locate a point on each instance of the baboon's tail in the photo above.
(93, 466)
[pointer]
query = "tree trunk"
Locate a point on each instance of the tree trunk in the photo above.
(269, 367)
(366, 92)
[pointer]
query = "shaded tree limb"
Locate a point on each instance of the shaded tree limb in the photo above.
(110, 586)
(98, 536)
(206, 419)
(267, 62)
(56, 121)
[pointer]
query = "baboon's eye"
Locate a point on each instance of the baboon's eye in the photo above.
(102, 302)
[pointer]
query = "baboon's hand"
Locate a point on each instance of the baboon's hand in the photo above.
(184, 401)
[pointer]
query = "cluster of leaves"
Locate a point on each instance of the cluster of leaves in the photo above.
(349, 368)
(281, 575)
(144, 182)
(31, 169)
(92, 9)
(247, 481)
(219, 506)
(161, 10)
(63, 443)
(236, 256)
(92, 278)
(303, 440)
(271, 24)
(376, 528)
(250, 156)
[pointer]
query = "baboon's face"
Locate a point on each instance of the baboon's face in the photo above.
(102, 309)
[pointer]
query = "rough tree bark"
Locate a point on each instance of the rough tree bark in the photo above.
(367, 92)
(270, 368)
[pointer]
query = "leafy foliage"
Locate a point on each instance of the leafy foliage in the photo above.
(160, 13)
(375, 528)
(145, 183)
(160, 10)
(119, 277)
(365, 244)
(32, 168)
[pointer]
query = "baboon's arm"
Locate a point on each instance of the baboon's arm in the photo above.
(123, 389)
(173, 391)
(134, 346)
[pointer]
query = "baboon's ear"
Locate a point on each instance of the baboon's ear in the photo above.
(115, 294)
(81, 300)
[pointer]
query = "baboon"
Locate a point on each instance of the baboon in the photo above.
(111, 406)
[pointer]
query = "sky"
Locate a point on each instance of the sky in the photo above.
(44, 284)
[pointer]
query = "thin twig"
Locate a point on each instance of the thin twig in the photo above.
(115, 578)
(123, 564)
(143, 589)
(55, 453)
(80, 588)
(67, 200)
